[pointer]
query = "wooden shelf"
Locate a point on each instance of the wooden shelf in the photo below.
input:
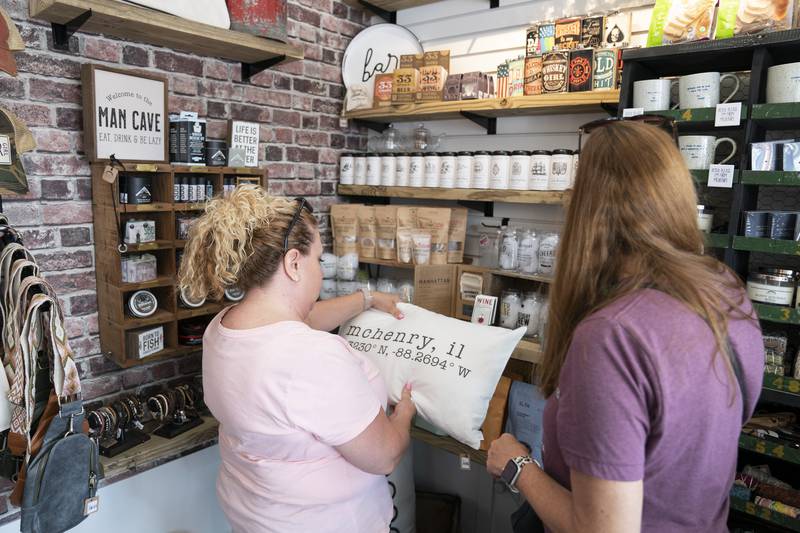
(777, 313)
(202, 169)
(159, 317)
(777, 449)
(773, 246)
(147, 246)
(189, 207)
(528, 350)
(157, 450)
(476, 195)
(144, 208)
(138, 24)
(161, 281)
(180, 244)
(771, 177)
(448, 444)
(520, 275)
(765, 514)
(392, 5)
(209, 308)
(385, 262)
(701, 116)
(544, 104)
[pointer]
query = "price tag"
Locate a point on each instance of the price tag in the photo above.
(465, 462)
(342, 122)
(629, 112)
(728, 114)
(720, 176)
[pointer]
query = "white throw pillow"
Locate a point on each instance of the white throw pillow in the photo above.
(452, 365)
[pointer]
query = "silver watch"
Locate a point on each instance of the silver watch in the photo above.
(367, 297)
(513, 469)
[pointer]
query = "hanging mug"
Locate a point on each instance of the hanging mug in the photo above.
(698, 150)
(702, 90)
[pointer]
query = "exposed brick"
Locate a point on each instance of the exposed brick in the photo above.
(48, 140)
(36, 239)
(301, 188)
(76, 327)
(283, 135)
(83, 189)
(102, 386)
(267, 97)
(215, 69)
(135, 55)
(12, 87)
(302, 14)
(30, 114)
(61, 260)
(22, 213)
(304, 155)
(73, 45)
(336, 91)
(286, 118)
(250, 112)
(180, 84)
(177, 63)
(312, 52)
(77, 236)
(71, 282)
(163, 370)
(310, 86)
(58, 189)
(217, 109)
(339, 10)
(274, 153)
(101, 364)
(262, 79)
(319, 5)
(302, 102)
(279, 81)
(85, 346)
(310, 122)
(218, 89)
(48, 65)
(102, 49)
(185, 103)
(311, 138)
(32, 37)
(135, 377)
(337, 141)
(329, 107)
(67, 213)
(330, 56)
(217, 129)
(328, 123)
(69, 118)
(330, 73)
(327, 187)
(190, 364)
(92, 324)
(328, 156)
(83, 304)
(292, 67)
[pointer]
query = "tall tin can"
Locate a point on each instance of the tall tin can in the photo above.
(580, 70)
(604, 75)
(547, 36)
(555, 72)
(533, 75)
(532, 47)
(265, 18)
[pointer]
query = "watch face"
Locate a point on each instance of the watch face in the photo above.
(509, 472)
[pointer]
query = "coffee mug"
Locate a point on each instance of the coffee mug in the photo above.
(783, 83)
(698, 150)
(652, 95)
(702, 90)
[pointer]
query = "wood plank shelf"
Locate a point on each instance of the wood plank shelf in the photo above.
(392, 5)
(476, 195)
(138, 24)
(189, 207)
(144, 208)
(385, 262)
(544, 104)
(448, 444)
(209, 308)
(161, 281)
(528, 350)
(777, 313)
(773, 246)
(146, 246)
(771, 177)
(520, 275)
(765, 514)
(159, 317)
(778, 449)
(701, 116)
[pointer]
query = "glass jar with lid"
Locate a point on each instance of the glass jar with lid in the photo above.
(509, 250)
(529, 252)
(705, 218)
(510, 305)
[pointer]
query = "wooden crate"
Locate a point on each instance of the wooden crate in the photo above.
(112, 293)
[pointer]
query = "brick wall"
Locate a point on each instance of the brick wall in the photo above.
(297, 105)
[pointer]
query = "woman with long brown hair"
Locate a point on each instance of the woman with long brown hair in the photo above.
(304, 437)
(653, 357)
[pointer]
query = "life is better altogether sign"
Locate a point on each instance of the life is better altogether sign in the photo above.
(129, 117)
(244, 135)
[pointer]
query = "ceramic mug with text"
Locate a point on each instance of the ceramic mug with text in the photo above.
(698, 150)
(652, 95)
(702, 89)
(783, 83)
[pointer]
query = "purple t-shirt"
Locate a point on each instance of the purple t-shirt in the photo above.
(641, 397)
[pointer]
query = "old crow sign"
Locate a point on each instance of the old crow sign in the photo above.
(125, 114)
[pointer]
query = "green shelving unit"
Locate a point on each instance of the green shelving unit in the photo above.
(718, 240)
(777, 383)
(772, 246)
(770, 177)
(701, 176)
(763, 513)
(777, 116)
(777, 313)
(698, 115)
(778, 450)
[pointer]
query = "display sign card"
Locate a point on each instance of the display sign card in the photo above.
(720, 176)
(245, 135)
(728, 114)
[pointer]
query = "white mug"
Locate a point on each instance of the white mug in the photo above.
(783, 83)
(702, 90)
(698, 150)
(651, 95)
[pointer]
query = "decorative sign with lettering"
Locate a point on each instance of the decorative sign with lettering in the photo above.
(125, 114)
(244, 135)
(376, 50)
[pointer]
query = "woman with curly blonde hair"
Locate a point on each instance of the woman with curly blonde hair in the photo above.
(304, 436)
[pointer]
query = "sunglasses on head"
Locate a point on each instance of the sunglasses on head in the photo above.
(666, 123)
(303, 204)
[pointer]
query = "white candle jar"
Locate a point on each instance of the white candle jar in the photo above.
(346, 170)
(416, 170)
(500, 169)
(540, 170)
(764, 288)
(359, 169)
(464, 170)
(520, 170)
(560, 170)
(401, 162)
(373, 169)
(447, 170)
(387, 170)
(480, 170)
(433, 167)
(510, 305)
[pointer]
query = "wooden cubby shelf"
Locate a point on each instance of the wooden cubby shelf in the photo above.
(512, 106)
(112, 293)
(773, 246)
(139, 24)
(778, 449)
(763, 513)
(475, 195)
(448, 444)
(771, 177)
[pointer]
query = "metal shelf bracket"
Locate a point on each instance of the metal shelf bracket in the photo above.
(374, 126)
(494, 3)
(487, 123)
(388, 16)
(62, 32)
(251, 69)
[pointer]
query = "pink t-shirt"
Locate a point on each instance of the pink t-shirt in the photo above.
(285, 395)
